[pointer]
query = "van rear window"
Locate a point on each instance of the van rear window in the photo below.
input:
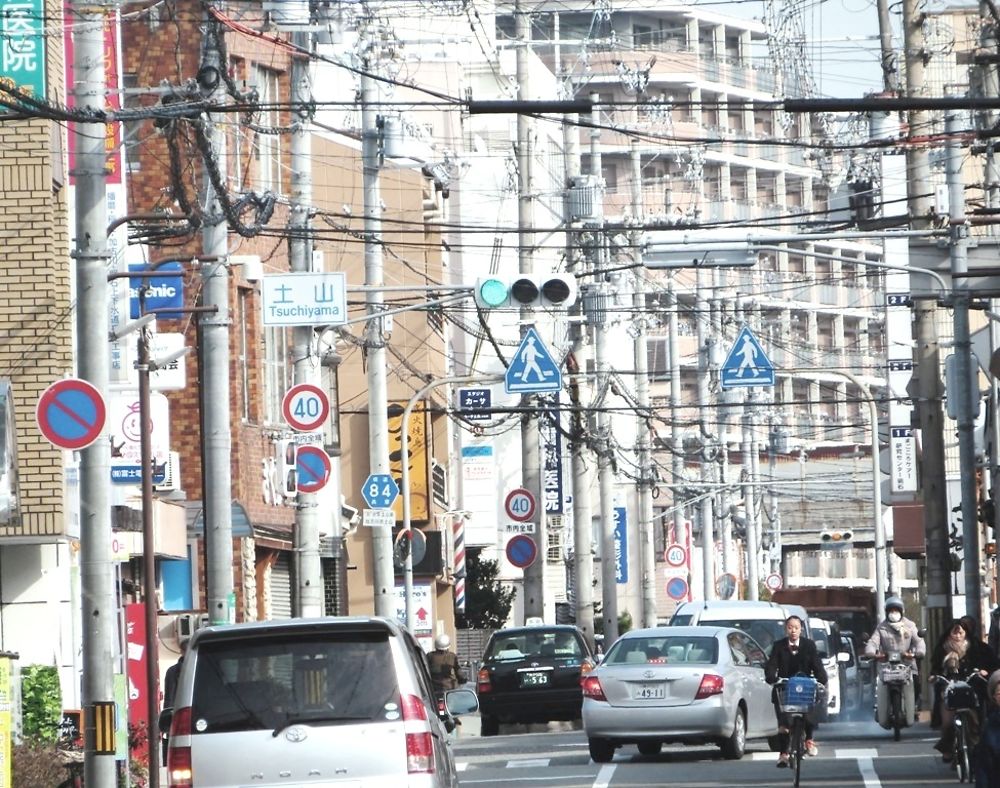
(268, 682)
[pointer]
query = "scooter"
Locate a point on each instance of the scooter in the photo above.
(895, 706)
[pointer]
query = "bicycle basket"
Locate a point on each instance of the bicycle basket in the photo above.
(960, 695)
(798, 694)
(895, 672)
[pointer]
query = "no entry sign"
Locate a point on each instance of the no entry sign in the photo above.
(71, 413)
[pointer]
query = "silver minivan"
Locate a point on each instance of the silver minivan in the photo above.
(323, 703)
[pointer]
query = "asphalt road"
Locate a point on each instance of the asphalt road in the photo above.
(852, 755)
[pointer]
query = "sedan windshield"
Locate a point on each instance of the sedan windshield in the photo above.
(670, 649)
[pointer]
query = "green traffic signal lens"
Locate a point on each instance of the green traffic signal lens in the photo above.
(493, 292)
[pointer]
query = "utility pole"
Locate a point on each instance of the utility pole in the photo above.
(90, 254)
(749, 501)
(215, 393)
(677, 475)
(705, 503)
(378, 400)
(645, 457)
(309, 568)
(965, 367)
(531, 464)
(918, 177)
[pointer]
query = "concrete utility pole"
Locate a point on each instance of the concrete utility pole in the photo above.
(215, 391)
(705, 505)
(531, 462)
(579, 389)
(677, 476)
(93, 361)
(646, 483)
(965, 368)
(309, 568)
(749, 501)
(937, 600)
(378, 399)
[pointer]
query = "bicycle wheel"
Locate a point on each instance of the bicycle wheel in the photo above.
(796, 749)
(961, 753)
(896, 711)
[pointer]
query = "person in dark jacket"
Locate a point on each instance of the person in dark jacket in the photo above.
(791, 656)
(986, 756)
(957, 654)
(445, 670)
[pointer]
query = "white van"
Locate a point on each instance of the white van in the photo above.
(309, 702)
(763, 621)
(827, 639)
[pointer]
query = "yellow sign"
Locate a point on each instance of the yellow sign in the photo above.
(417, 449)
(6, 722)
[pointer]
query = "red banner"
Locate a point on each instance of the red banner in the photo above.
(135, 663)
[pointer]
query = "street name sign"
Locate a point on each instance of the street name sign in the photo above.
(304, 299)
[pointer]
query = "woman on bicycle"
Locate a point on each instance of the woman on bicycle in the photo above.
(986, 758)
(957, 655)
(790, 656)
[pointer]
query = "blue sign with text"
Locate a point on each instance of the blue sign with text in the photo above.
(162, 292)
(621, 546)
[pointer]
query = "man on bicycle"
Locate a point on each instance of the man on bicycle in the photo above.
(895, 633)
(790, 656)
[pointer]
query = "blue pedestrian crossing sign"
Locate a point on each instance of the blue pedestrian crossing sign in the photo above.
(747, 364)
(532, 369)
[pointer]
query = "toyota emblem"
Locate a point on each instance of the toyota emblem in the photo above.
(296, 734)
(648, 674)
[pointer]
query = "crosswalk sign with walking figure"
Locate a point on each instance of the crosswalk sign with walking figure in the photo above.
(747, 364)
(532, 369)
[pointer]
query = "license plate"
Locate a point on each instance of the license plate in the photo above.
(649, 692)
(534, 679)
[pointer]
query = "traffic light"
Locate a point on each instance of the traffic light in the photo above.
(548, 291)
(835, 538)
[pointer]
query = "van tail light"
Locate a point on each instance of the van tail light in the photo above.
(710, 685)
(419, 745)
(483, 683)
(585, 667)
(591, 686)
(179, 774)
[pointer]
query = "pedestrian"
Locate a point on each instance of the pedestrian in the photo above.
(171, 676)
(791, 656)
(994, 636)
(986, 756)
(445, 670)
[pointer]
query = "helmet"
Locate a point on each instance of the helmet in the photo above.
(442, 642)
(894, 602)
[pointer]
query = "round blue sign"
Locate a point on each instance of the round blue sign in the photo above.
(677, 588)
(522, 551)
(71, 413)
(312, 469)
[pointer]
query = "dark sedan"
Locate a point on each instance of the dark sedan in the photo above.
(532, 674)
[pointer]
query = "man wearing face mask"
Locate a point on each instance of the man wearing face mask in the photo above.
(896, 633)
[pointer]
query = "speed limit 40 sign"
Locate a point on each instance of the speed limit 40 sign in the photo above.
(675, 555)
(305, 407)
(520, 505)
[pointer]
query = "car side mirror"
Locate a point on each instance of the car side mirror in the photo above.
(461, 701)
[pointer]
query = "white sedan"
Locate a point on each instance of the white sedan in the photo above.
(693, 685)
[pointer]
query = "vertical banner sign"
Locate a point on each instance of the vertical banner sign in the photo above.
(6, 720)
(22, 47)
(135, 662)
(417, 450)
(551, 438)
(458, 532)
(621, 546)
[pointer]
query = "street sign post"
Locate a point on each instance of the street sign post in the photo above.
(312, 469)
(532, 369)
(71, 413)
(773, 581)
(520, 505)
(379, 491)
(306, 407)
(747, 364)
(521, 551)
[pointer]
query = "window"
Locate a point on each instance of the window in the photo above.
(277, 372)
(267, 147)
(245, 315)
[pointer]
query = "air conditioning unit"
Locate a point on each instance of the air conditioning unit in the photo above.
(171, 474)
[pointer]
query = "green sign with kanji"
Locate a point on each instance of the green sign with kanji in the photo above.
(22, 47)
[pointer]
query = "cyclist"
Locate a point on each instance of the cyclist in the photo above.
(790, 656)
(445, 670)
(895, 633)
(957, 655)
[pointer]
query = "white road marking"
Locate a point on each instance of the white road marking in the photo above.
(529, 763)
(461, 766)
(866, 765)
(604, 776)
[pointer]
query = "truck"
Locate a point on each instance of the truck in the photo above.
(853, 609)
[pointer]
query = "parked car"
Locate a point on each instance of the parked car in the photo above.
(532, 674)
(828, 645)
(691, 684)
(763, 621)
(309, 702)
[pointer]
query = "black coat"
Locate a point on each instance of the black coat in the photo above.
(783, 664)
